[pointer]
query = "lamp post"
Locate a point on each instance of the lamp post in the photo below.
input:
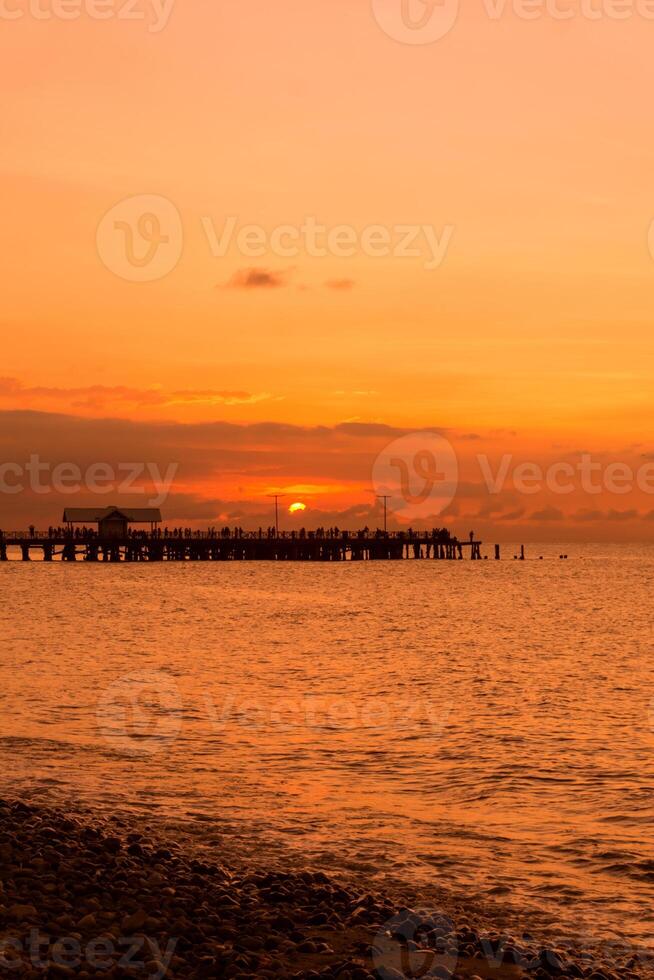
(276, 497)
(385, 498)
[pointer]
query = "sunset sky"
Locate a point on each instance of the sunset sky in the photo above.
(525, 146)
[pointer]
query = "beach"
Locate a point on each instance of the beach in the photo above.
(84, 896)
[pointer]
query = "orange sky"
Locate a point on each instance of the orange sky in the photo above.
(530, 140)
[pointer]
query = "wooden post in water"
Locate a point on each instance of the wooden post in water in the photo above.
(522, 552)
(497, 552)
(69, 551)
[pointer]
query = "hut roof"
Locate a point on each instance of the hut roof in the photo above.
(93, 515)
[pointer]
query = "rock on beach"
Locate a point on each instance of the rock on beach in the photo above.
(80, 898)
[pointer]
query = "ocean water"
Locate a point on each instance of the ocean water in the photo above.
(484, 727)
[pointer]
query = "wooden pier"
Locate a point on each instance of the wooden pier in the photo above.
(158, 546)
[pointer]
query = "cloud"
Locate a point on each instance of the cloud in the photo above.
(588, 515)
(340, 285)
(210, 397)
(192, 507)
(492, 506)
(512, 515)
(223, 471)
(548, 514)
(255, 278)
(102, 396)
(452, 510)
(615, 516)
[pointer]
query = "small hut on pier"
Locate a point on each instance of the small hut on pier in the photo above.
(112, 522)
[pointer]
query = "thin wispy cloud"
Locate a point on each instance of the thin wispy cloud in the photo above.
(100, 397)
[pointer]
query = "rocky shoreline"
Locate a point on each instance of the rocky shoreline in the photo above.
(90, 897)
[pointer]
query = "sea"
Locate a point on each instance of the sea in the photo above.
(486, 728)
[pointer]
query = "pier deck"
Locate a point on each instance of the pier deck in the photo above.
(208, 546)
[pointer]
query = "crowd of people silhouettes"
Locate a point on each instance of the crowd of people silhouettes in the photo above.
(439, 535)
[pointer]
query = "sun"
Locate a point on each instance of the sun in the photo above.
(296, 508)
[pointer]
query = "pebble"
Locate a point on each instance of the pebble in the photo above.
(181, 916)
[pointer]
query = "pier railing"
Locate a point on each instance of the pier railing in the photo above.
(86, 534)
